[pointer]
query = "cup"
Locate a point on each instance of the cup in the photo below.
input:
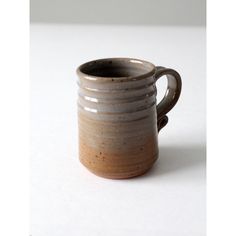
(118, 118)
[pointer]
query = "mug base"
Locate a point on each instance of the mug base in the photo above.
(127, 175)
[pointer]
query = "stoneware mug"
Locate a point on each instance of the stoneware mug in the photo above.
(118, 117)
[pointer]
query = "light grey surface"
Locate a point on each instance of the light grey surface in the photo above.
(154, 12)
(69, 200)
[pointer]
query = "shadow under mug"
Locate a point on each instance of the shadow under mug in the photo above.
(118, 117)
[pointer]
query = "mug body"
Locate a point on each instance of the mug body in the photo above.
(117, 117)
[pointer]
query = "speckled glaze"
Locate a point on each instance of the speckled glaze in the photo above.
(117, 115)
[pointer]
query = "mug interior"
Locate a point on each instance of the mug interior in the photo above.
(117, 68)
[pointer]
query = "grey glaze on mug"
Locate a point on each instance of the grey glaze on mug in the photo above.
(118, 117)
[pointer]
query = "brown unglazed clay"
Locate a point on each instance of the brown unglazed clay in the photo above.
(117, 115)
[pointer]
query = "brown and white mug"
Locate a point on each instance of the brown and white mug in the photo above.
(118, 117)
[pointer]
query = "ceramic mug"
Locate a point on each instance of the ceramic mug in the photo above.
(118, 117)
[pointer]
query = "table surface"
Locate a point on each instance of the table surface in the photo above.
(66, 198)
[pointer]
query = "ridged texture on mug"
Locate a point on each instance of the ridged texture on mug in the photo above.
(117, 126)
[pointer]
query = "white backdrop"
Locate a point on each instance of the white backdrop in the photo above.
(69, 200)
(66, 198)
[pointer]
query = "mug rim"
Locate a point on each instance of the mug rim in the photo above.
(142, 63)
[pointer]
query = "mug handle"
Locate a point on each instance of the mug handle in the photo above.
(171, 96)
